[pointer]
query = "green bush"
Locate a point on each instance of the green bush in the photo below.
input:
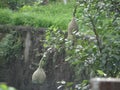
(10, 47)
(39, 16)
(5, 16)
(88, 57)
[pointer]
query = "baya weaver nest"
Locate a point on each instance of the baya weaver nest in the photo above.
(39, 75)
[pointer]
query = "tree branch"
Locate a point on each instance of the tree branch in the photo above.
(96, 34)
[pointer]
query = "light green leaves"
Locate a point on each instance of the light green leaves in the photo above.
(3, 86)
(101, 73)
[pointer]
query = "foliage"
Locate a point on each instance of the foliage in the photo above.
(39, 16)
(3, 3)
(96, 51)
(15, 4)
(99, 16)
(10, 47)
(5, 16)
(5, 87)
(54, 38)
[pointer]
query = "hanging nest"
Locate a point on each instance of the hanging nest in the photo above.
(38, 76)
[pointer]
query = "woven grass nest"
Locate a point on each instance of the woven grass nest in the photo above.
(39, 75)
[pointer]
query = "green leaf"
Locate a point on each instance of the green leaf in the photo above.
(3, 87)
(69, 84)
(84, 82)
(101, 73)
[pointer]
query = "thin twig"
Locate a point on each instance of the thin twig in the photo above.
(96, 34)
(74, 11)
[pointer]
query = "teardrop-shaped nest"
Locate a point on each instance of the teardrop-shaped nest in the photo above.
(38, 76)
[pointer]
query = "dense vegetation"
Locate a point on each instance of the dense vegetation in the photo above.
(39, 16)
(96, 52)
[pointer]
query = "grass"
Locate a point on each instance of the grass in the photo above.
(54, 14)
